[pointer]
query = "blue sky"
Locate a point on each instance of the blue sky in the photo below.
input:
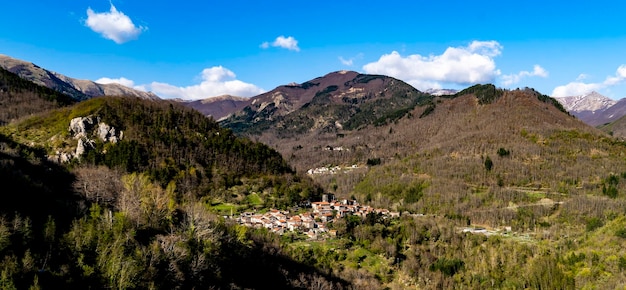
(200, 49)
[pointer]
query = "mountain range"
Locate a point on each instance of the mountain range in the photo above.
(77, 89)
(218, 107)
(593, 108)
(495, 188)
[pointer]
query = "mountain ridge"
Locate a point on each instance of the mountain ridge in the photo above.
(218, 107)
(594, 108)
(346, 99)
(593, 101)
(78, 89)
(485, 172)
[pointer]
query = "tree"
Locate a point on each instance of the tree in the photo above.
(488, 164)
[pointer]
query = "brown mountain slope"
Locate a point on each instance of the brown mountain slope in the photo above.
(337, 102)
(442, 121)
(616, 128)
(594, 108)
(78, 89)
(546, 147)
(218, 107)
(498, 164)
(611, 114)
(278, 102)
(285, 99)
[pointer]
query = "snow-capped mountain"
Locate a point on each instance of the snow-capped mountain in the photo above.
(594, 108)
(592, 102)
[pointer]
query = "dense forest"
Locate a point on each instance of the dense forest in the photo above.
(138, 213)
(495, 190)
(19, 98)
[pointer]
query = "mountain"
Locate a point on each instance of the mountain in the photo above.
(509, 163)
(338, 101)
(594, 108)
(20, 98)
(218, 107)
(591, 102)
(489, 188)
(617, 127)
(611, 114)
(78, 89)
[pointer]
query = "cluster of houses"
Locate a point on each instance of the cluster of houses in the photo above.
(330, 170)
(313, 223)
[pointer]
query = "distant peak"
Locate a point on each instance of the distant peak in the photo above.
(592, 101)
(595, 94)
(342, 72)
(222, 98)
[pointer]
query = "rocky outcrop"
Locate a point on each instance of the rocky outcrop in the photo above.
(107, 133)
(86, 130)
(84, 144)
(80, 126)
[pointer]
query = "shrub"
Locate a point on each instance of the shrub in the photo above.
(373, 161)
(488, 164)
(448, 267)
(594, 223)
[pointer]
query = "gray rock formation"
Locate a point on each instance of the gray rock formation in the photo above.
(84, 144)
(106, 133)
(87, 130)
(81, 126)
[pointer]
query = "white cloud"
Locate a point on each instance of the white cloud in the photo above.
(289, 43)
(350, 61)
(577, 87)
(582, 77)
(216, 81)
(122, 81)
(538, 71)
(346, 62)
(113, 25)
(457, 65)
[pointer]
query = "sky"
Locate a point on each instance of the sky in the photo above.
(200, 49)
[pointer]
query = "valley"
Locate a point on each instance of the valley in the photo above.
(345, 181)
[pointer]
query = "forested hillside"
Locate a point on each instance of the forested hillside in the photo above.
(140, 213)
(494, 189)
(337, 102)
(541, 189)
(511, 163)
(20, 98)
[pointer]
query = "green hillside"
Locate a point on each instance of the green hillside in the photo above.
(547, 192)
(494, 189)
(142, 212)
(532, 179)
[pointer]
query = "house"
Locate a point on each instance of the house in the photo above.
(320, 205)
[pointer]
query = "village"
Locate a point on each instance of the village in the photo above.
(313, 223)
